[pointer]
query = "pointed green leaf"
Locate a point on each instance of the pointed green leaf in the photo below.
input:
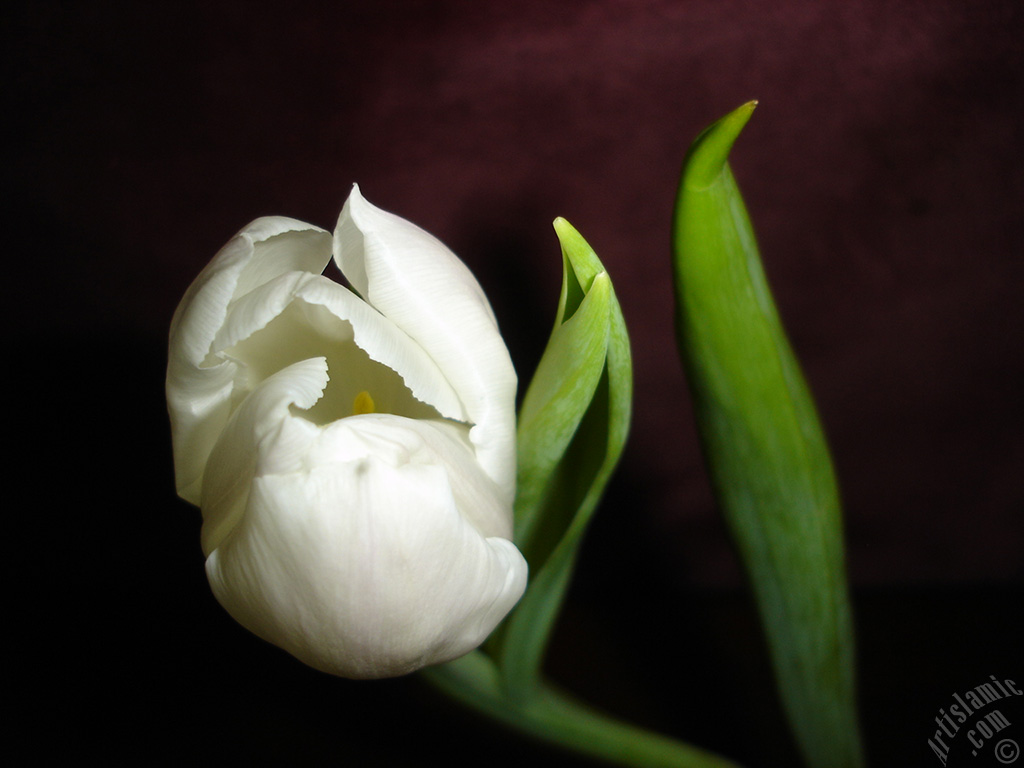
(765, 450)
(555, 404)
(572, 429)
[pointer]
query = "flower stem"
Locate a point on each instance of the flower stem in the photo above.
(552, 716)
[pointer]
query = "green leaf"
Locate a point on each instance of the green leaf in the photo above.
(572, 429)
(765, 450)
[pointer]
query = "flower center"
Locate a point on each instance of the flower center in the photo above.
(363, 404)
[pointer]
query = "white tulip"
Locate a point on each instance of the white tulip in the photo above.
(352, 451)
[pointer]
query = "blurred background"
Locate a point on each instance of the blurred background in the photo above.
(883, 172)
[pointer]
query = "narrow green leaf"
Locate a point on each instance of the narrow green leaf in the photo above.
(765, 449)
(555, 403)
(572, 429)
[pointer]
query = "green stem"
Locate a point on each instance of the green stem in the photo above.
(552, 716)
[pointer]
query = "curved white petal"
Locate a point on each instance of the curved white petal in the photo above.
(330, 316)
(421, 286)
(418, 441)
(378, 336)
(367, 548)
(199, 395)
(262, 431)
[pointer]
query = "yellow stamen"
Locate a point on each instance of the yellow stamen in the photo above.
(363, 404)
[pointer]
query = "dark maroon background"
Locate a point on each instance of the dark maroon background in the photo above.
(883, 172)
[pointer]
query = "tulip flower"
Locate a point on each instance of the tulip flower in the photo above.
(352, 450)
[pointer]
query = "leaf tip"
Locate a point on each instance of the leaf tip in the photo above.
(578, 253)
(710, 150)
(563, 229)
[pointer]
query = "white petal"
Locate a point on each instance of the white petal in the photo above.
(199, 397)
(300, 315)
(327, 567)
(419, 441)
(263, 421)
(369, 552)
(421, 286)
(384, 342)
